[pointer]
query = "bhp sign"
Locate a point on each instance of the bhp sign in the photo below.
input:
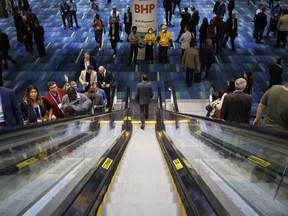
(148, 8)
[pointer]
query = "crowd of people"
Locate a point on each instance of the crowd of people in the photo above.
(213, 36)
(235, 103)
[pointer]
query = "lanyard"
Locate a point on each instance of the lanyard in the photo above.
(54, 98)
(39, 112)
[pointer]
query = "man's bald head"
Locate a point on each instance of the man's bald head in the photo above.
(101, 69)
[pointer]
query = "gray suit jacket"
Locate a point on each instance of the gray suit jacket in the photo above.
(144, 93)
(97, 103)
(82, 105)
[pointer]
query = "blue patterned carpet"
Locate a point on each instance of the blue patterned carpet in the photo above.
(65, 47)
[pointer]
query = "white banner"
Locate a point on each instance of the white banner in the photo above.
(144, 16)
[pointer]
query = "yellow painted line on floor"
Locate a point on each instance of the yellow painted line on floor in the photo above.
(107, 121)
(146, 122)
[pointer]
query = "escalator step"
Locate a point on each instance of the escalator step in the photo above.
(141, 210)
(130, 187)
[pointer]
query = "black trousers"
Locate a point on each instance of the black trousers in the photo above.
(206, 67)
(73, 14)
(259, 34)
(163, 54)
(41, 48)
(64, 17)
(144, 112)
(149, 52)
(281, 36)
(107, 92)
(6, 57)
(114, 45)
(232, 40)
(189, 76)
(168, 15)
(133, 49)
(98, 37)
(28, 43)
(272, 26)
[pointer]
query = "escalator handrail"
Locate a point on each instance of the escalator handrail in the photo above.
(248, 128)
(127, 98)
(112, 98)
(160, 101)
(173, 93)
(30, 128)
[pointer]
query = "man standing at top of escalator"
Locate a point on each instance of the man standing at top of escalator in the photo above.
(237, 105)
(275, 101)
(143, 97)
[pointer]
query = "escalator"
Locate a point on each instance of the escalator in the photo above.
(106, 165)
(142, 184)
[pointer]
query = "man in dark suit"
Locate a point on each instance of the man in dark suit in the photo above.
(105, 81)
(221, 9)
(207, 57)
(97, 101)
(260, 23)
(194, 20)
(237, 105)
(143, 97)
(39, 38)
(27, 35)
(231, 5)
(86, 61)
(4, 48)
(17, 22)
(232, 31)
(128, 22)
(276, 73)
(10, 113)
(65, 13)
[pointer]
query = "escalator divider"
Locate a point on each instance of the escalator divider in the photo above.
(195, 201)
(102, 198)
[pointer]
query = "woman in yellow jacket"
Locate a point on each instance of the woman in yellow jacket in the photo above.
(150, 39)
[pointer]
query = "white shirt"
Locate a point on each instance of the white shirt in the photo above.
(86, 63)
